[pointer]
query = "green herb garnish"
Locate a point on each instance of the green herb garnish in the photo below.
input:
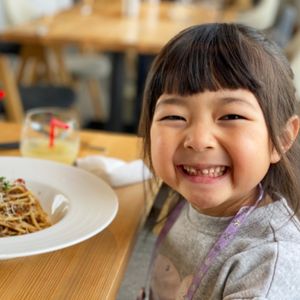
(5, 183)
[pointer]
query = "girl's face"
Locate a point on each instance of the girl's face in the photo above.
(212, 147)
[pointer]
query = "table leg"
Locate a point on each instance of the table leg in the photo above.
(115, 122)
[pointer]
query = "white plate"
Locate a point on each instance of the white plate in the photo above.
(79, 204)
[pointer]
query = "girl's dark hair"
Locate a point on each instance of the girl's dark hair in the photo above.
(230, 56)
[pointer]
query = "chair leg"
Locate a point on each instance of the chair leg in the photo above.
(58, 57)
(12, 103)
(96, 98)
(33, 60)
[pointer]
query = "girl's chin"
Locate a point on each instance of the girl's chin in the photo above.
(213, 211)
(207, 199)
(212, 208)
(202, 206)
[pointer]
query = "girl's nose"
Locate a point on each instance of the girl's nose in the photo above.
(199, 137)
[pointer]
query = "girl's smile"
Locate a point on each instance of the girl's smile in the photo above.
(212, 147)
(197, 172)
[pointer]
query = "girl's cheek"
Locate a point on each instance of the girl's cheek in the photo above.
(161, 150)
(157, 155)
(156, 141)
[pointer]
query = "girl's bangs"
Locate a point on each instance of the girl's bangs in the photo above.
(209, 65)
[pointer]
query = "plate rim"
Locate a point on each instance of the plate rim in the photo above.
(57, 226)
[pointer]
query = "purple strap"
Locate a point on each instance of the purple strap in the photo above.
(223, 241)
(169, 223)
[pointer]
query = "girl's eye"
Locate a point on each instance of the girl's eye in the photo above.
(232, 117)
(172, 118)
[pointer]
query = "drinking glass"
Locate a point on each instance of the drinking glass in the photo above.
(50, 133)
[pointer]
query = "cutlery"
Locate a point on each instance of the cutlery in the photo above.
(16, 145)
(9, 145)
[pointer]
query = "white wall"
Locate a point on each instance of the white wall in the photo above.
(19, 11)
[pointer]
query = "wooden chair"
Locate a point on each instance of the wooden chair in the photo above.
(283, 29)
(60, 66)
(262, 16)
(20, 98)
(90, 68)
(12, 104)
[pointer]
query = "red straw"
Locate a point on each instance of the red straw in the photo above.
(53, 124)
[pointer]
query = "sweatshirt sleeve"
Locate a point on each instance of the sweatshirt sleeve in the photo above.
(269, 271)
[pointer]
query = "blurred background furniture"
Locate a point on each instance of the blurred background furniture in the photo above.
(262, 15)
(284, 25)
(293, 46)
(35, 64)
(20, 11)
(281, 22)
(106, 42)
(104, 28)
(20, 98)
(90, 70)
(10, 48)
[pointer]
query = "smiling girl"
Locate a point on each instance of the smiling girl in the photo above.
(219, 124)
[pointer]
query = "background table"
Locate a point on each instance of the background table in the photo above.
(94, 268)
(102, 26)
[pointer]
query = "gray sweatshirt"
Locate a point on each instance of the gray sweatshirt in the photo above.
(262, 262)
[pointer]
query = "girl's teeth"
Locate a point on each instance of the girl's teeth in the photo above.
(209, 172)
(191, 170)
(205, 172)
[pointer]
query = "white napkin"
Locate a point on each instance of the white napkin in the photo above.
(114, 171)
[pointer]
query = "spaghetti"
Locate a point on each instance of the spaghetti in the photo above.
(20, 211)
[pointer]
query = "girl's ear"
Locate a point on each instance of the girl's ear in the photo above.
(287, 138)
(290, 133)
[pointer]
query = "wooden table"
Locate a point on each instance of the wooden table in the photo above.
(103, 26)
(94, 268)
